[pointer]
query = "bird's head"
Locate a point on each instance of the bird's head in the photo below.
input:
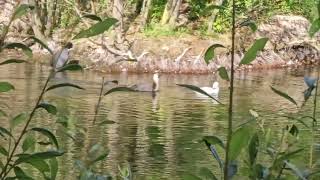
(69, 45)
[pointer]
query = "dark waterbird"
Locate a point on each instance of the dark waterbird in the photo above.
(148, 87)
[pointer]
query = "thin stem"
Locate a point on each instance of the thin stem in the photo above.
(4, 172)
(314, 117)
(230, 110)
(99, 100)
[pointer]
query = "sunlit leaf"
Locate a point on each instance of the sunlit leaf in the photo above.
(48, 134)
(250, 24)
(209, 54)
(240, 139)
(190, 177)
(199, 90)
(92, 17)
(253, 113)
(44, 45)
(214, 140)
(48, 107)
(223, 73)
(295, 170)
(251, 54)
(63, 85)
(253, 148)
(284, 95)
(118, 89)
(20, 174)
(5, 87)
(53, 168)
(207, 174)
(28, 143)
(26, 50)
(315, 26)
(10, 61)
(3, 151)
(18, 120)
(97, 28)
(70, 67)
(22, 10)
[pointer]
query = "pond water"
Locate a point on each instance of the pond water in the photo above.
(160, 137)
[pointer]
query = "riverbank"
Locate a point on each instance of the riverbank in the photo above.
(288, 45)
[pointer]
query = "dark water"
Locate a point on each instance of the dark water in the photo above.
(158, 136)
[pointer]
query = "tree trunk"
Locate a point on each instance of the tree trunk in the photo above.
(117, 12)
(167, 12)
(171, 13)
(213, 17)
(175, 13)
(146, 7)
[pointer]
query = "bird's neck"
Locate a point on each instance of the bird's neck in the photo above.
(155, 85)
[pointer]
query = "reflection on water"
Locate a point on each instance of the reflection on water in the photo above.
(158, 135)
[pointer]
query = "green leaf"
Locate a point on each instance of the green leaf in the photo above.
(106, 122)
(39, 155)
(70, 67)
(284, 95)
(97, 28)
(21, 10)
(2, 113)
(209, 54)
(3, 151)
(223, 73)
(250, 24)
(240, 139)
(251, 54)
(20, 174)
(53, 168)
(48, 107)
(37, 163)
(100, 158)
(315, 26)
(5, 87)
(253, 149)
(199, 90)
(214, 140)
(47, 133)
(44, 45)
(190, 177)
(27, 51)
(5, 131)
(92, 17)
(288, 156)
(118, 89)
(29, 142)
(207, 174)
(295, 170)
(63, 85)
(18, 120)
(10, 61)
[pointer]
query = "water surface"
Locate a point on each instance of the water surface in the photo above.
(160, 137)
